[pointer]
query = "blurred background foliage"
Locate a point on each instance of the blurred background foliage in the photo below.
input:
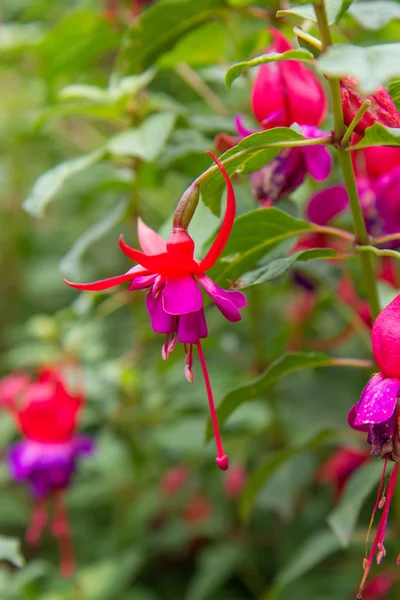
(117, 118)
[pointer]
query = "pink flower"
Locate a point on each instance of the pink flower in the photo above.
(174, 301)
(235, 482)
(379, 586)
(382, 110)
(174, 480)
(287, 92)
(340, 466)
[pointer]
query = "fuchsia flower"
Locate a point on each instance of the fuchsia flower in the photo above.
(174, 279)
(287, 92)
(382, 110)
(340, 466)
(377, 414)
(380, 586)
(46, 413)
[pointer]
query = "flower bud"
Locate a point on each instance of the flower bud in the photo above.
(287, 92)
(386, 339)
(382, 109)
(375, 161)
(186, 207)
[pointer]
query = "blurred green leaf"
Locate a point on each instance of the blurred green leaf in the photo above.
(160, 27)
(249, 155)
(257, 388)
(15, 36)
(195, 49)
(10, 550)
(334, 10)
(394, 91)
(146, 141)
(372, 66)
(375, 15)
(344, 518)
(236, 70)
(51, 182)
(279, 266)
(216, 565)
(378, 135)
(70, 264)
(254, 235)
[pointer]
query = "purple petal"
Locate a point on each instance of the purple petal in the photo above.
(380, 434)
(161, 321)
(319, 161)
(378, 400)
(241, 128)
(83, 445)
(351, 418)
(141, 283)
(192, 327)
(228, 302)
(327, 204)
(181, 295)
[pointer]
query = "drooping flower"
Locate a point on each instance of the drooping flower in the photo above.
(287, 171)
(174, 279)
(377, 414)
(287, 92)
(382, 109)
(340, 466)
(46, 413)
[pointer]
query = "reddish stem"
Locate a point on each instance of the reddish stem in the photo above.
(37, 524)
(62, 530)
(222, 459)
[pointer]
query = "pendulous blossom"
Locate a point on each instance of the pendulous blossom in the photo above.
(377, 414)
(175, 279)
(382, 109)
(46, 414)
(287, 92)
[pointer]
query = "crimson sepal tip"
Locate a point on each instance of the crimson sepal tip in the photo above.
(222, 462)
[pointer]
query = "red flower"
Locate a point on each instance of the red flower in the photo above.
(382, 109)
(340, 466)
(287, 92)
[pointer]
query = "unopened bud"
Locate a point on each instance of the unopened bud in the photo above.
(186, 207)
(381, 110)
(189, 374)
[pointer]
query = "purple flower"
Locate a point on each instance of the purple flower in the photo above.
(287, 171)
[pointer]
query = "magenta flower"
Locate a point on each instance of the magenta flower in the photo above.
(174, 302)
(377, 413)
(287, 171)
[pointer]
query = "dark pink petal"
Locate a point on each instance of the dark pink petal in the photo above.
(161, 321)
(228, 302)
(352, 417)
(378, 400)
(150, 241)
(319, 161)
(181, 295)
(192, 327)
(141, 283)
(326, 204)
(241, 128)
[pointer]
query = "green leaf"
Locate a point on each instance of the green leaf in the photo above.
(394, 91)
(70, 264)
(316, 548)
(259, 478)
(195, 49)
(51, 182)
(334, 10)
(344, 518)
(254, 235)
(10, 550)
(288, 363)
(249, 155)
(160, 27)
(216, 566)
(279, 266)
(372, 66)
(15, 36)
(375, 15)
(146, 141)
(378, 135)
(236, 70)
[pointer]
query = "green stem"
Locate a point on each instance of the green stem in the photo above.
(356, 119)
(379, 252)
(360, 231)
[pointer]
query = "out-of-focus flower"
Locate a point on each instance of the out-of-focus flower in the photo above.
(377, 414)
(287, 171)
(340, 466)
(382, 110)
(374, 161)
(11, 387)
(174, 480)
(175, 278)
(287, 92)
(380, 586)
(46, 413)
(197, 509)
(235, 482)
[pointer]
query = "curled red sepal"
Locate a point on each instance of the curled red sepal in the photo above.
(226, 227)
(106, 284)
(160, 263)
